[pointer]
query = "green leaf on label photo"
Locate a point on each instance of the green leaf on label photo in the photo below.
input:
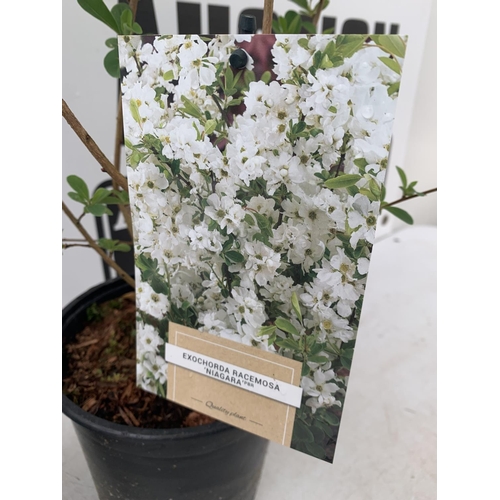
(342, 181)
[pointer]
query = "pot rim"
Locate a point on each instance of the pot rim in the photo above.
(92, 422)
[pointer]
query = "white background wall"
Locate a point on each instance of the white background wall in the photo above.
(92, 94)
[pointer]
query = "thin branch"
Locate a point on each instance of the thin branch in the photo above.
(267, 21)
(133, 6)
(93, 148)
(317, 14)
(124, 209)
(97, 248)
(404, 198)
(118, 134)
(222, 111)
(70, 245)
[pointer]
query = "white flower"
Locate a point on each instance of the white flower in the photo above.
(339, 274)
(363, 219)
(156, 366)
(203, 239)
(151, 302)
(197, 69)
(318, 385)
(225, 211)
(262, 262)
(249, 336)
(148, 339)
(243, 304)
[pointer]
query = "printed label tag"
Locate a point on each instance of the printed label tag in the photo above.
(229, 382)
(235, 375)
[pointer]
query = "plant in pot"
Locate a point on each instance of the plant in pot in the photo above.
(143, 459)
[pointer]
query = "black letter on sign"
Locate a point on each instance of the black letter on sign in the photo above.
(188, 18)
(218, 19)
(380, 29)
(329, 22)
(355, 27)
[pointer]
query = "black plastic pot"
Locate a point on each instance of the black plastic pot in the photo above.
(209, 462)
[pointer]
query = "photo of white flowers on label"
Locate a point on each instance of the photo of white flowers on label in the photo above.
(256, 169)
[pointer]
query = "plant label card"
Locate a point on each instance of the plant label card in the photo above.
(256, 168)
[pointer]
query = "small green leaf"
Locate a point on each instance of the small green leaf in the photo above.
(249, 220)
(106, 243)
(249, 77)
(168, 75)
(318, 359)
(76, 197)
(266, 77)
(304, 43)
(100, 195)
(382, 193)
(288, 344)
(98, 210)
(229, 78)
(111, 43)
(122, 247)
(393, 44)
(134, 110)
(301, 432)
(113, 245)
(210, 126)
(286, 326)
(402, 176)
(348, 45)
(296, 306)
(299, 127)
(374, 187)
(342, 181)
(368, 194)
(332, 109)
(136, 27)
(79, 186)
(318, 433)
(309, 27)
(326, 63)
(235, 256)
(301, 3)
(400, 214)
(391, 63)
(317, 57)
(330, 49)
(393, 88)
(117, 11)
(295, 25)
(158, 284)
(112, 63)
(327, 429)
(98, 9)
(360, 163)
(190, 108)
(331, 418)
(126, 20)
(266, 330)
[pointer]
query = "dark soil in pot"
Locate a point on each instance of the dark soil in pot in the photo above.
(139, 446)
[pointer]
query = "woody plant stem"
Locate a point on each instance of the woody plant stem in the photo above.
(121, 273)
